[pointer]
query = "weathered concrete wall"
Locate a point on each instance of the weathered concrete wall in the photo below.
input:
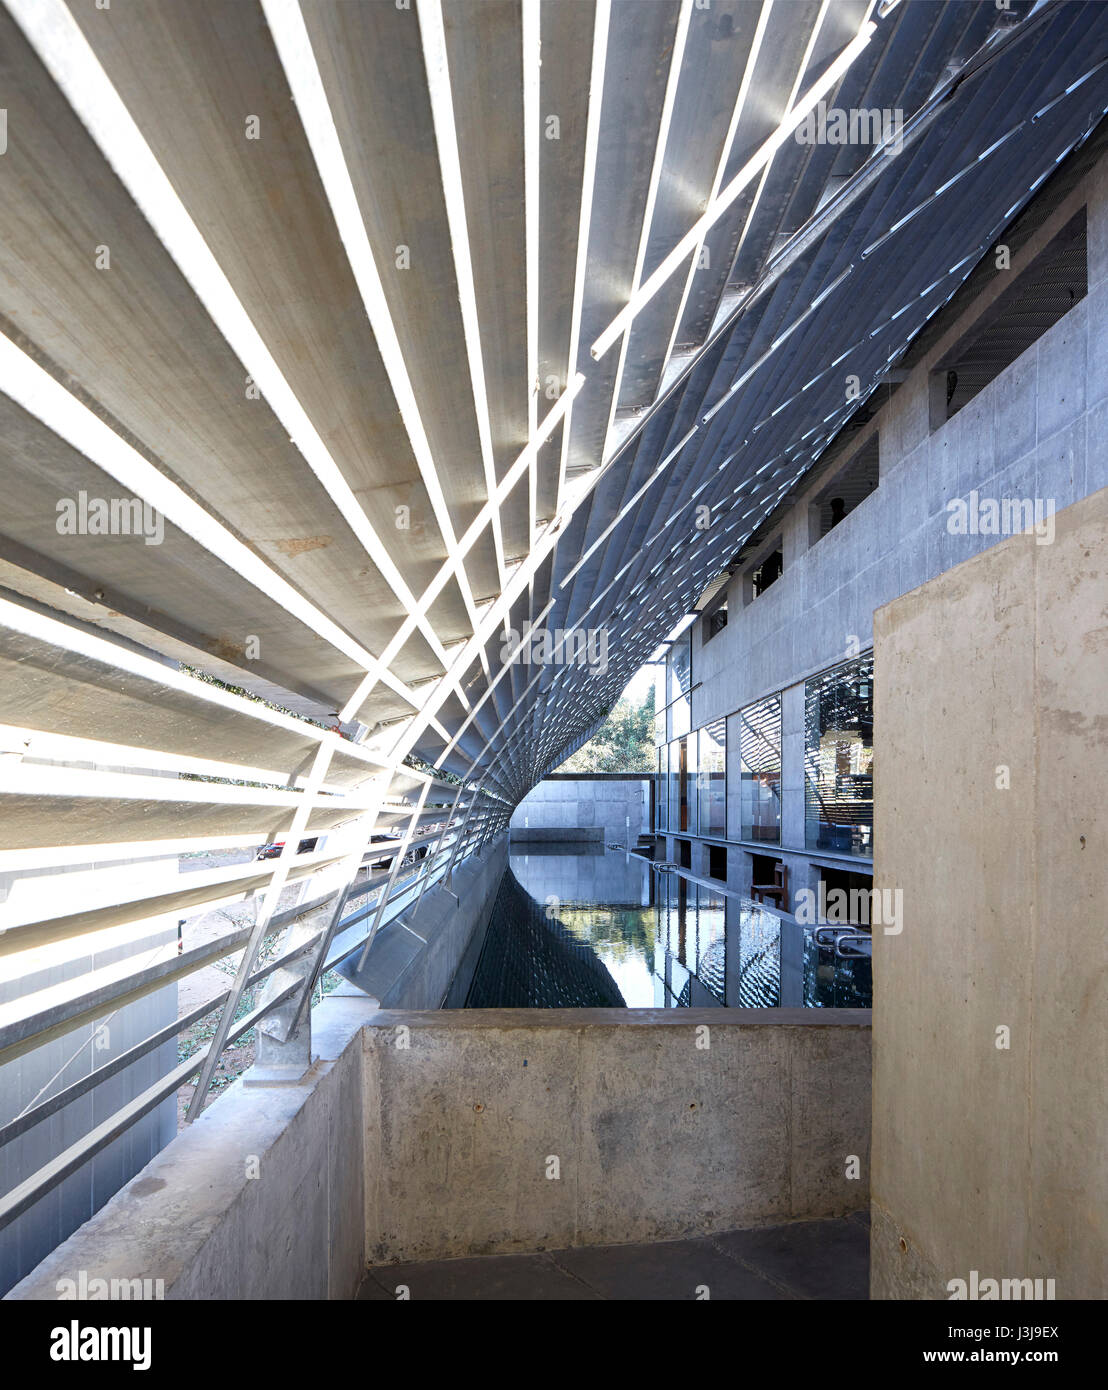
(440, 1138)
(414, 958)
(654, 1137)
(600, 808)
(257, 1199)
(987, 1157)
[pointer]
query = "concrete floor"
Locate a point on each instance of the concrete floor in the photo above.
(801, 1260)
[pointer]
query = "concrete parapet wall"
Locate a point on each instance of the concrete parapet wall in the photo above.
(418, 1135)
(564, 834)
(654, 1136)
(603, 807)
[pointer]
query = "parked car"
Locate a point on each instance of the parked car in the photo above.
(380, 863)
(412, 857)
(271, 851)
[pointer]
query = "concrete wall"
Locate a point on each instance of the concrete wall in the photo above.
(655, 1137)
(415, 957)
(1000, 663)
(582, 807)
(424, 1134)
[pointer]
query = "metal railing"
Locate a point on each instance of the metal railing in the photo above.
(427, 824)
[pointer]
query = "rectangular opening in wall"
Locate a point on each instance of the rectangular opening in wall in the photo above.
(767, 572)
(684, 854)
(844, 897)
(761, 867)
(717, 862)
(1056, 280)
(847, 489)
(714, 622)
(769, 881)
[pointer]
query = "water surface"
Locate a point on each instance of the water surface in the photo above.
(580, 928)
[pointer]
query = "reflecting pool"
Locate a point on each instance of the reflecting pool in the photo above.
(574, 928)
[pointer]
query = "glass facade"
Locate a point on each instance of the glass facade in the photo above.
(760, 771)
(838, 763)
(676, 750)
(688, 789)
(838, 759)
(712, 778)
(679, 667)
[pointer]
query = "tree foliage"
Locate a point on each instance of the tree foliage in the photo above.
(623, 743)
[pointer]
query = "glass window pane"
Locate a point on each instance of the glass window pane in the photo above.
(712, 778)
(680, 684)
(688, 790)
(674, 787)
(661, 795)
(760, 769)
(838, 759)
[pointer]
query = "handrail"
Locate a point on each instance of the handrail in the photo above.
(388, 893)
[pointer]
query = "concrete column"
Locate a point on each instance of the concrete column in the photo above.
(792, 767)
(794, 536)
(792, 964)
(739, 872)
(989, 1108)
(282, 1058)
(734, 779)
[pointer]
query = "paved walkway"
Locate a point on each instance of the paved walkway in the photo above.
(802, 1260)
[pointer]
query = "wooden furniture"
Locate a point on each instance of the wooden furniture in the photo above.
(776, 892)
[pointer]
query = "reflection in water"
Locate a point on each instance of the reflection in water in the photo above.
(830, 982)
(530, 961)
(578, 929)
